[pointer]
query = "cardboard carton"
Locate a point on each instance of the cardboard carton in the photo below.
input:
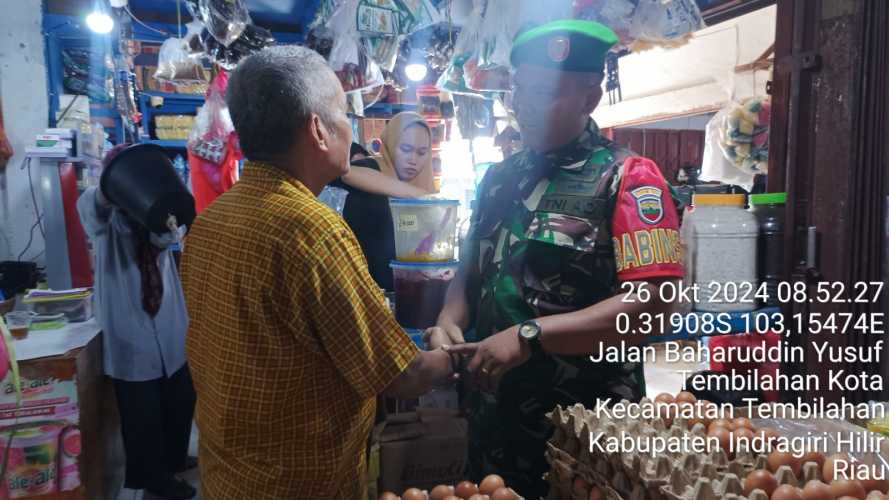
(422, 450)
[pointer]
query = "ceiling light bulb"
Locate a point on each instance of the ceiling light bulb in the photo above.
(416, 72)
(99, 22)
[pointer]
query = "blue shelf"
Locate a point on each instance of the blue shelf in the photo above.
(174, 144)
(691, 328)
(389, 109)
(173, 96)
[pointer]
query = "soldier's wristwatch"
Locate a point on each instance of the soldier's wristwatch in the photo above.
(529, 332)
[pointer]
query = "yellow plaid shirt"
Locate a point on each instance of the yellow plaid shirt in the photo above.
(289, 343)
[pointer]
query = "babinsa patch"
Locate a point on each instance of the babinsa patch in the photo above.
(649, 203)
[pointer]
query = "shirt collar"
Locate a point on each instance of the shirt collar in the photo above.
(270, 175)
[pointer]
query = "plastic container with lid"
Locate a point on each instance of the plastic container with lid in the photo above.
(420, 289)
(425, 229)
(723, 238)
(769, 212)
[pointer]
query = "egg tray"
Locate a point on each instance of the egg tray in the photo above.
(635, 476)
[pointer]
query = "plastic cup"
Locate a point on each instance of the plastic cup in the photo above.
(19, 322)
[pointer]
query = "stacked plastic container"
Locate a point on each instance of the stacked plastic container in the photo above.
(425, 246)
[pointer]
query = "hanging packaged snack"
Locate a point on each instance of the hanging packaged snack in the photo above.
(664, 23)
(226, 19)
(373, 20)
(744, 135)
(174, 64)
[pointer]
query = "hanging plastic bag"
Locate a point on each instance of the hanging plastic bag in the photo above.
(744, 135)
(175, 65)
(665, 22)
(715, 166)
(225, 19)
(213, 150)
(192, 40)
(213, 124)
(616, 14)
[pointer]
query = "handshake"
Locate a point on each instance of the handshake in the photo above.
(482, 363)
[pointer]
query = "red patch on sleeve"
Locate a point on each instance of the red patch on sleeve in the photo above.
(645, 224)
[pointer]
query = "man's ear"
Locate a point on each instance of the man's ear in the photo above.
(318, 132)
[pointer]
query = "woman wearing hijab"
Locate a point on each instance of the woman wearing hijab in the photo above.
(405, 162)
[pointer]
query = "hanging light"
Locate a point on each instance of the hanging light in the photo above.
(98, 20)
(416, 72)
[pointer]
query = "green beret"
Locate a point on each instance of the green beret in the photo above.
(567, 45)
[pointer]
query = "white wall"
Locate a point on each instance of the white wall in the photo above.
(696, 77)
(25, 109)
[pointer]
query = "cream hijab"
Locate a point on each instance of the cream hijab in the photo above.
(391, 137)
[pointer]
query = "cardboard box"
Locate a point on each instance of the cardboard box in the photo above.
(422, 450)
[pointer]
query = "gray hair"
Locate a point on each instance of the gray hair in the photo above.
(272, 94)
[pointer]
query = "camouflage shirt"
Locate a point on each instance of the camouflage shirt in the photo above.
(550, 236)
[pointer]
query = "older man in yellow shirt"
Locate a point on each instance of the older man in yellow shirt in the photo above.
(290, 340)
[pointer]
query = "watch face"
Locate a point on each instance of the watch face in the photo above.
(528, 331)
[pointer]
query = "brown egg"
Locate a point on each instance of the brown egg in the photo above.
(709, 410)
(760, 480)
(779, 458)
(490, 484)
(413, 494)
(787, 492)
(847, 488)
(880, 485)
(667, 412)
(504, 494)
(813, 456)
(664, 397)
(828, 474)
(466, 489)
(441, 492)
(596, 494)
(388, 495)
(452, 497)
(686, 397)
(724, 436)
(479, 497)
(816, 490)
(740, 422)
(719, 422)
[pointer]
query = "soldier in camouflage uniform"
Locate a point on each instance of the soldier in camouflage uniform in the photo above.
(557, 228)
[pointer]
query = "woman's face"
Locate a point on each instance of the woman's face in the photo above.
(411, 155)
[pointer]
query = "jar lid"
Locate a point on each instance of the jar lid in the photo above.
(719, 199)
(768, 199)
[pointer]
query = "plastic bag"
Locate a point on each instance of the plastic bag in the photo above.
(253, 39)
(175, 64)
(715, 166)
(334, 197)
(665, 22)
(192, 40)
(225, 19)
(744, 135)
(616, 14)
(213, 124)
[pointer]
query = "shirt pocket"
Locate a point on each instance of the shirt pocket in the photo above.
(569, 263)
